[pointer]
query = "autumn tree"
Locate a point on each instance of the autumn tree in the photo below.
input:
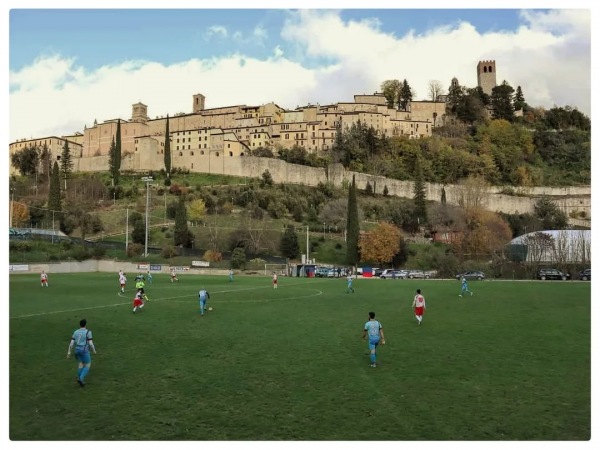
(196, 210)
(352, 225)
(20, 214)
(381, 244)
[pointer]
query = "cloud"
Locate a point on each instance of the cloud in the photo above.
(215, 30)
(318, 58)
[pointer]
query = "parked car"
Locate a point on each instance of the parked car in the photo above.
(378, 272)
(393, 274)
(471, 275)
(322, 272)
(417, 274)
(586, 275)
(552, 274)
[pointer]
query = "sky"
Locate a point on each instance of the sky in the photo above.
(69, 67)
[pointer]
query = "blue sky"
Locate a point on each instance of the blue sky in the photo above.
(120, 35)
(95, 63)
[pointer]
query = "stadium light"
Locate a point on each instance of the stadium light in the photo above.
(147, 180)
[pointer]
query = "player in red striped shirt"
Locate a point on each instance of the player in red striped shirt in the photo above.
(419, 306)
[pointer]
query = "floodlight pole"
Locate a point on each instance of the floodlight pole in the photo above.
(147, 180)
(307, 245)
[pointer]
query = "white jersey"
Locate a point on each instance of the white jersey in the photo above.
(122, 279)
(419, 301)
(274, 278)
(43, 276)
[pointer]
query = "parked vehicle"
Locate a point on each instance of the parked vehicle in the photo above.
(552, 274)
(471, 275)
(322, 272)
(393, 274)
(417, 274)
(378, 272)
(586, 275)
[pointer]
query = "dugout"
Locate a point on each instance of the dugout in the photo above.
(305, 270)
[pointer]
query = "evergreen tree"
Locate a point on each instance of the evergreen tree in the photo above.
(112, 153)
(117, 156)
(419, 192)
(519, 99)
(455, 94)
(54, 203)
(443, 199)
(405, 96)
(386, 191)
(550, 215)
(502, 103)
(167, 150)
(138, 235)
(368, 189)
(352, 227)
(66, 162)
(46, 160)
(289, 243)
(182, 235)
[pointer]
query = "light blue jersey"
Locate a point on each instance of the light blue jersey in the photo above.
(203, 295)
(81, 336)
(372, 328)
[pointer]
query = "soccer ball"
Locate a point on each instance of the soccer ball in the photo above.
(210, 308)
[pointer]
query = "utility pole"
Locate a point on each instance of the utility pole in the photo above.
(307, 244)
(12, 200)
(126, 229)
(147, 180)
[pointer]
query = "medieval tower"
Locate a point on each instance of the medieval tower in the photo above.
(139, 113)
(198, 103)
(486, 76)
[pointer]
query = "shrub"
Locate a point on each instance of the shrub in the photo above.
(134, 250)
(98, 252)
(238, 258)
(79, 253)
(168, 251)
(212, 256)
(338, 246)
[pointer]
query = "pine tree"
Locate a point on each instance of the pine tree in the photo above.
(54, 203)
(443, 199)
(368, 189)
(502, 102)
(405, 96)
(386, 191)
(519, 100)
(66, 162)
(455, 95)
(352, 227)
(419, 192)
(138, 235)
(181, 233)
(167, 150)
(289, 243)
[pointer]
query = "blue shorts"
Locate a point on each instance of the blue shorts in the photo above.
(83, 356)
(373, 343)
(203, 303)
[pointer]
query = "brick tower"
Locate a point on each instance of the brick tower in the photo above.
(486, 75)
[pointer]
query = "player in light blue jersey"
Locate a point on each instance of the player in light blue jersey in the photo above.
(82, 341)
(230, 275)
(374, 330)
(350, 288)
(203, 296)
(149, 277)
(464, 287)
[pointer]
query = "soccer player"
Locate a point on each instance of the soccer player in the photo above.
(274, 280)
(122, 280)
(149, 277)
(374, 330)
(464, 288)
(139, 286)
(174, 276)
(419, 305)
(230, 275)
(44, 279)
(350, 288)
(82, 341)
(203, 295)
(137, 301)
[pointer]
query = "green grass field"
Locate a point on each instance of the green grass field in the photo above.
(510, 363)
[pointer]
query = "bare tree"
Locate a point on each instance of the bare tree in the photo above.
(473, 193)
(539, 247)
(435, 89)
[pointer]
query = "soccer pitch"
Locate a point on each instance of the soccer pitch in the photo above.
(511, 362)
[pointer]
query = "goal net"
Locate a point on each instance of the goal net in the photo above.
(279, 269)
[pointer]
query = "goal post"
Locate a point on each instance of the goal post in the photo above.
(279, 269)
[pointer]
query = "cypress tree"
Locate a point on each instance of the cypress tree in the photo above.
(289, 243)
(405, 95)
(519, 99)
(66, 162)
(117, 157)
(54, 203)
(443, 199)
(419, 192)
(352, 227)
(181, 233)
(112, 153)
(167, 150)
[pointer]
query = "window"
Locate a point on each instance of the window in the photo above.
(217, 153)
(230, 153)
(313, 142)
(192, 153)
(228, 145)
(204, 145)
(177, 139)
(287, 136)
(180, 153)
(177, 148)
(192, 165)
(189, 146)
(202, 152)
(189, 139)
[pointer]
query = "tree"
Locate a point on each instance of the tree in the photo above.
(368, 189)
(502, 102)
(138, 235)
(114, 156)
(519, 100)
(419, 193)
(473, 193)
(401, 255)
(20, 214)
(385, 191)
(181, 234)
(443, 199)
(66, 162)
(289, 243)
(550, 214)
(46, 162)
(111, 161)
(54, 203)
(167, 149)
(391, 91)
(352, 225)
(435, 89)
(455, 94)
(238, 258)
(196, 210)
(405, 96)
(380, 244)
(26, 161)
(266, 179)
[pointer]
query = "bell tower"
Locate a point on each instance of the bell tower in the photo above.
(198, 103)
(486, 76)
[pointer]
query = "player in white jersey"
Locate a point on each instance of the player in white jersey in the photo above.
(274, 280)
(174, 276)
(419, 306)
(44, 279)
(122, 281)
